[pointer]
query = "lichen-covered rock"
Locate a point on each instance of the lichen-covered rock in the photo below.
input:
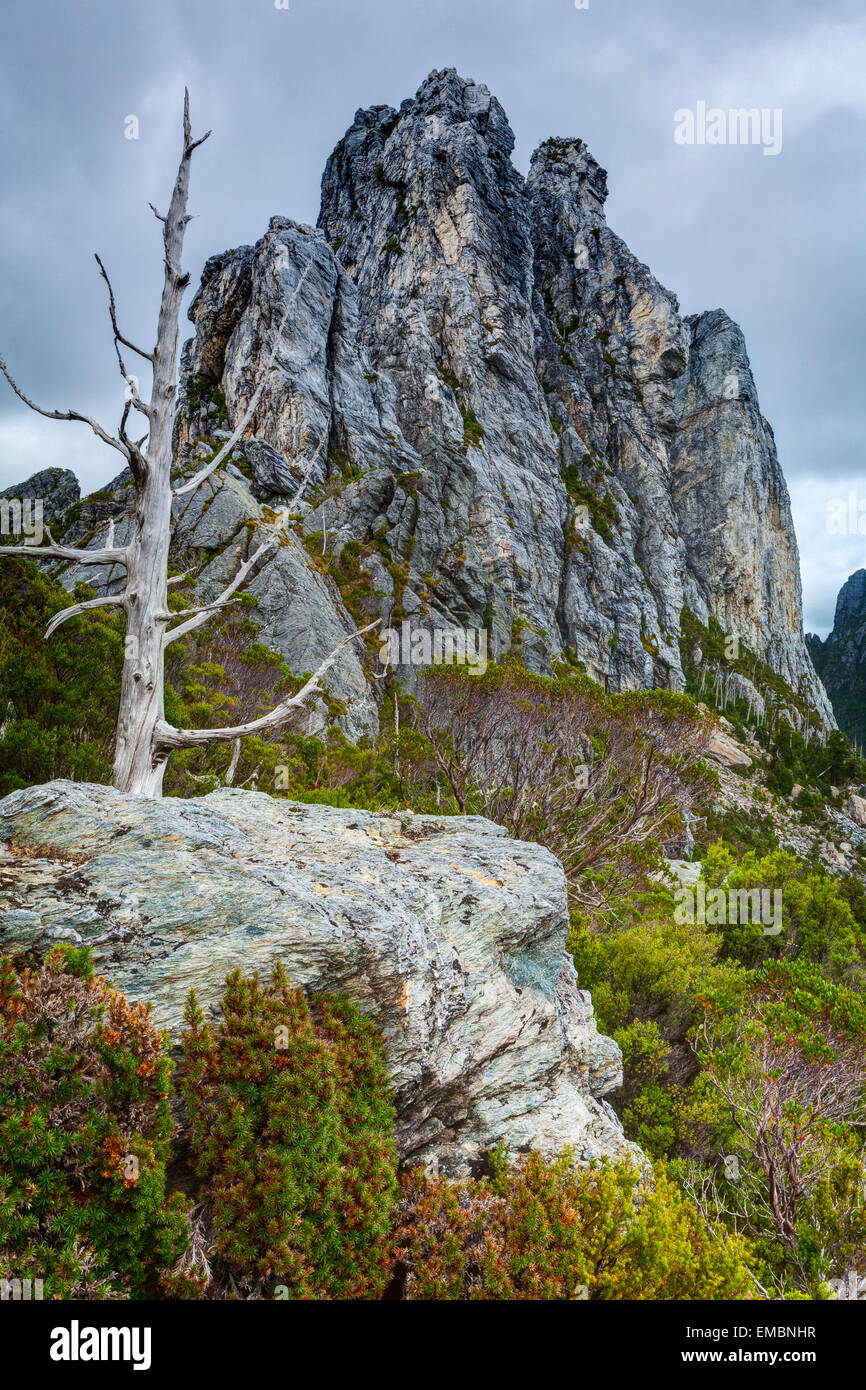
(448, 932)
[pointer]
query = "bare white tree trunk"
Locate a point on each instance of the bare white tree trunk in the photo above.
(144, 739)
(142, 691)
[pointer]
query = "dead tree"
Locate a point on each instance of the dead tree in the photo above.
(786, 1100)
(597, 779)
(144, 739)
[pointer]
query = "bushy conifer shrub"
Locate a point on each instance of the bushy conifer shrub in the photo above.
(84, 1135)
(292, 1130)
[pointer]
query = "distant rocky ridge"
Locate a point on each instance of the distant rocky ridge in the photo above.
(519, 431)
(841, 659)
(57, 487)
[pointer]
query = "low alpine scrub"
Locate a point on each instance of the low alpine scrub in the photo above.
(292, 1124)
(84, 1136)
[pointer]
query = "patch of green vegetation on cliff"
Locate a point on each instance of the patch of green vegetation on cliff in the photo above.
(603, 512)
(200, 392)
(807, 758)
(473, 431)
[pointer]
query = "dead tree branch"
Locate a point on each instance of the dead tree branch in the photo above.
(64, 414)
(169, 738)
(112, 309)
(53, 551)
(107, 601)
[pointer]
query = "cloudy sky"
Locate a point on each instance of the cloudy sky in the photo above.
(776, 241)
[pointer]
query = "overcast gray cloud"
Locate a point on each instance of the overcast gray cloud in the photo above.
(773, 240)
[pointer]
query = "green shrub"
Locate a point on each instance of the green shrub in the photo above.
(291, 1128)
(740, 829)
(84, 1135)
(818, 923)
(538, 1230)
(650, 970)
(473, 431)
(780, 779)
(648, 982)
(58, 699)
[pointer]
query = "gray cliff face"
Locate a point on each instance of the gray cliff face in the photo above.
(610, 342)
(727, 478)
(518, 430)
(851, 603)
(432, 223)
(450, 934)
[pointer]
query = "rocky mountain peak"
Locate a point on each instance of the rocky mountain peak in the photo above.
(428, 194)
(719, 368)
(516, 428)
(57, 488)
(725, 472)
(851, 602)
(457, 100)
(566, 169)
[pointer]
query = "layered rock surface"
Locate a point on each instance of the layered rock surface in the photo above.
(517, 429)
(447, 932)
(726, 472)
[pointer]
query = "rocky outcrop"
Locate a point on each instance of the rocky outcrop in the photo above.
(447, 932)
(56, 488)
(517, 430)
(841, 659)
(725, 470)
(725, 749)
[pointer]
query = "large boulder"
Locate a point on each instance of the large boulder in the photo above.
(725, 749)
(444, 929)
